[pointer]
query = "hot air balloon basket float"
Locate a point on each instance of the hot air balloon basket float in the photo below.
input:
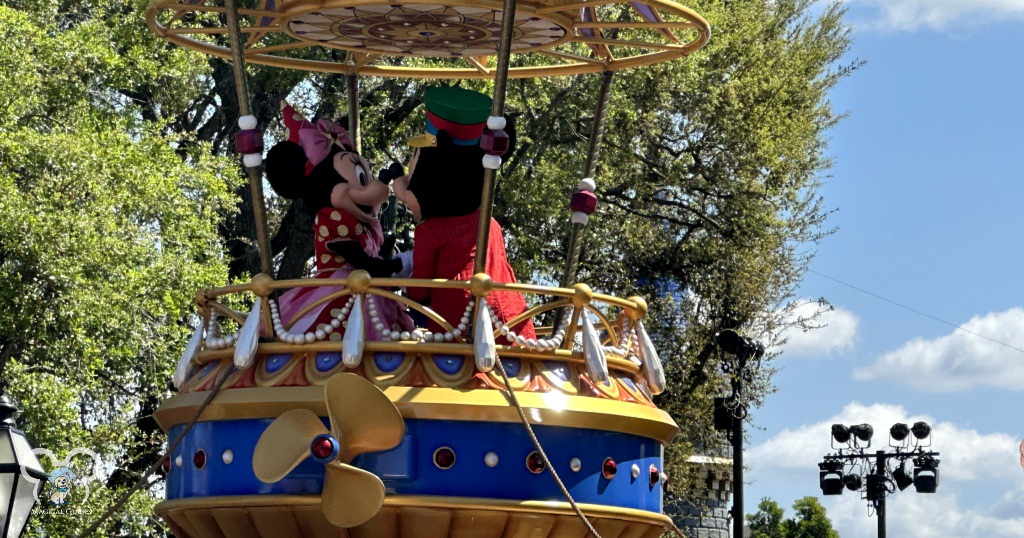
(352, 427)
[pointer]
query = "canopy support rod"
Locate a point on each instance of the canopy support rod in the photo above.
(353, 111)
(497, 109)
(572, 258)
(259, 213)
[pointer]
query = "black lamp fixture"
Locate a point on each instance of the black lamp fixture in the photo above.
(871, 472)
(830, 477)
(902, 477)
(921, 430)
(17, 491)
(899, 431)
(926, 474)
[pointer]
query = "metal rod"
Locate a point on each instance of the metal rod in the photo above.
(880, 500)
(597, 130)
(483, 230)
(259, 213)
(737, 453)
(353, 111)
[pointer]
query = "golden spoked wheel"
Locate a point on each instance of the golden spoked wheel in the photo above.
(436, 39)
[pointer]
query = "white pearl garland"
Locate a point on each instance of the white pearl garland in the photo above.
(218, 342)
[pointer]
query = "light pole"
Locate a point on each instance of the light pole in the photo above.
(20, 474)
(854, 468)
(730, 411)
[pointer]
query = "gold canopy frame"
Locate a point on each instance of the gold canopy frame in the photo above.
(453, 40)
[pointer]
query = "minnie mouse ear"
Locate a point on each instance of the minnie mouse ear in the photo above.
(286, 169)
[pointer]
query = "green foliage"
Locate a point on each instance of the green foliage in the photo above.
(811, 520)
(108, 226)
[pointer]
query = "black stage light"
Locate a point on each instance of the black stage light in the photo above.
(926, 474)
(863, 432)
(852, 482)
(921, 430)
(830, 478)
(841, 433)
(902, 477)
(899, 431)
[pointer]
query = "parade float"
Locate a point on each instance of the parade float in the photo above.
(329, 417)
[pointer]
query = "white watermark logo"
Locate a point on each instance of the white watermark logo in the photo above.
(68, 480)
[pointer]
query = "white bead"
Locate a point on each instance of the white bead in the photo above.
(228, 456)
(374, 318)
(457, 332)
(309, 338)
(405, 335)
(579, 217)
(503, 330)
(491, 459)
(394, 335)
(321, 334)
(496, 123)
(252, 160)
(635, 470)
(511, 336)
(492, 162)
(177, 460)
(439, 337)
(587, 184)
(531, 344)
(575, 464)
(448, 337)
(462, 326)
(328, 329)
(247, 123)
(417, 335)
(520, 341)
(335, 323)
(379, 327)
(344, 324)
(428, 336)
(465, 319)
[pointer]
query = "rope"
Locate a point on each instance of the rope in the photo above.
(144, 479)
(540, 450)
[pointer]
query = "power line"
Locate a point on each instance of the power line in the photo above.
(916, 311)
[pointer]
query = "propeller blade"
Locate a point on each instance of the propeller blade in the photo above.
(285, 443)
(362, 417)
(351, 495)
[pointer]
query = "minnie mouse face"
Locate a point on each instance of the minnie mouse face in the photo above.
(358, 193)
(341, 180)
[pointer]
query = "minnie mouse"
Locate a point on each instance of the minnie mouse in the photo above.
(318, 163)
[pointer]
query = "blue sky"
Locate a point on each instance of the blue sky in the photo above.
(929, 189)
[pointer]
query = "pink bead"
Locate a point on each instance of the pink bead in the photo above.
(249, 141)
(584, 202)
(494, 142)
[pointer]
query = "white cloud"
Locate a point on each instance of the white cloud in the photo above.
(906, 15)
(961, 360)
(970, 461)
(834, 333)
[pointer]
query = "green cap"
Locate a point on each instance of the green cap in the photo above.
(457, 105)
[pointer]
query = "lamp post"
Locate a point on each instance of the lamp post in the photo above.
(730, 411)
(854, 468)
(17, 491)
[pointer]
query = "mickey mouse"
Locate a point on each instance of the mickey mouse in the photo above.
(318, 163)
(443, 190)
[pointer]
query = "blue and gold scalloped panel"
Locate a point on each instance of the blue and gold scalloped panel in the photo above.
(487, 460)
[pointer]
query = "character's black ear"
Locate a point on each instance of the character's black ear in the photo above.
(286, 170)
(392, 172)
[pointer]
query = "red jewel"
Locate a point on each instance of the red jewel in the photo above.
(199, 460)
(321, 447)
(444, 458)
(608, 468)
(166, 465)
(535, 463)
(655, 476)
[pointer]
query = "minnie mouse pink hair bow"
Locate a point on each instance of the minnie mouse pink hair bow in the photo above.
(316, 140)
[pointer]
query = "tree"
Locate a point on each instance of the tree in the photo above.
(811, 520)
(107, 229)
(707, 183)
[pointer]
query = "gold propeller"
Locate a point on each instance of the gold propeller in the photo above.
(363, 419)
